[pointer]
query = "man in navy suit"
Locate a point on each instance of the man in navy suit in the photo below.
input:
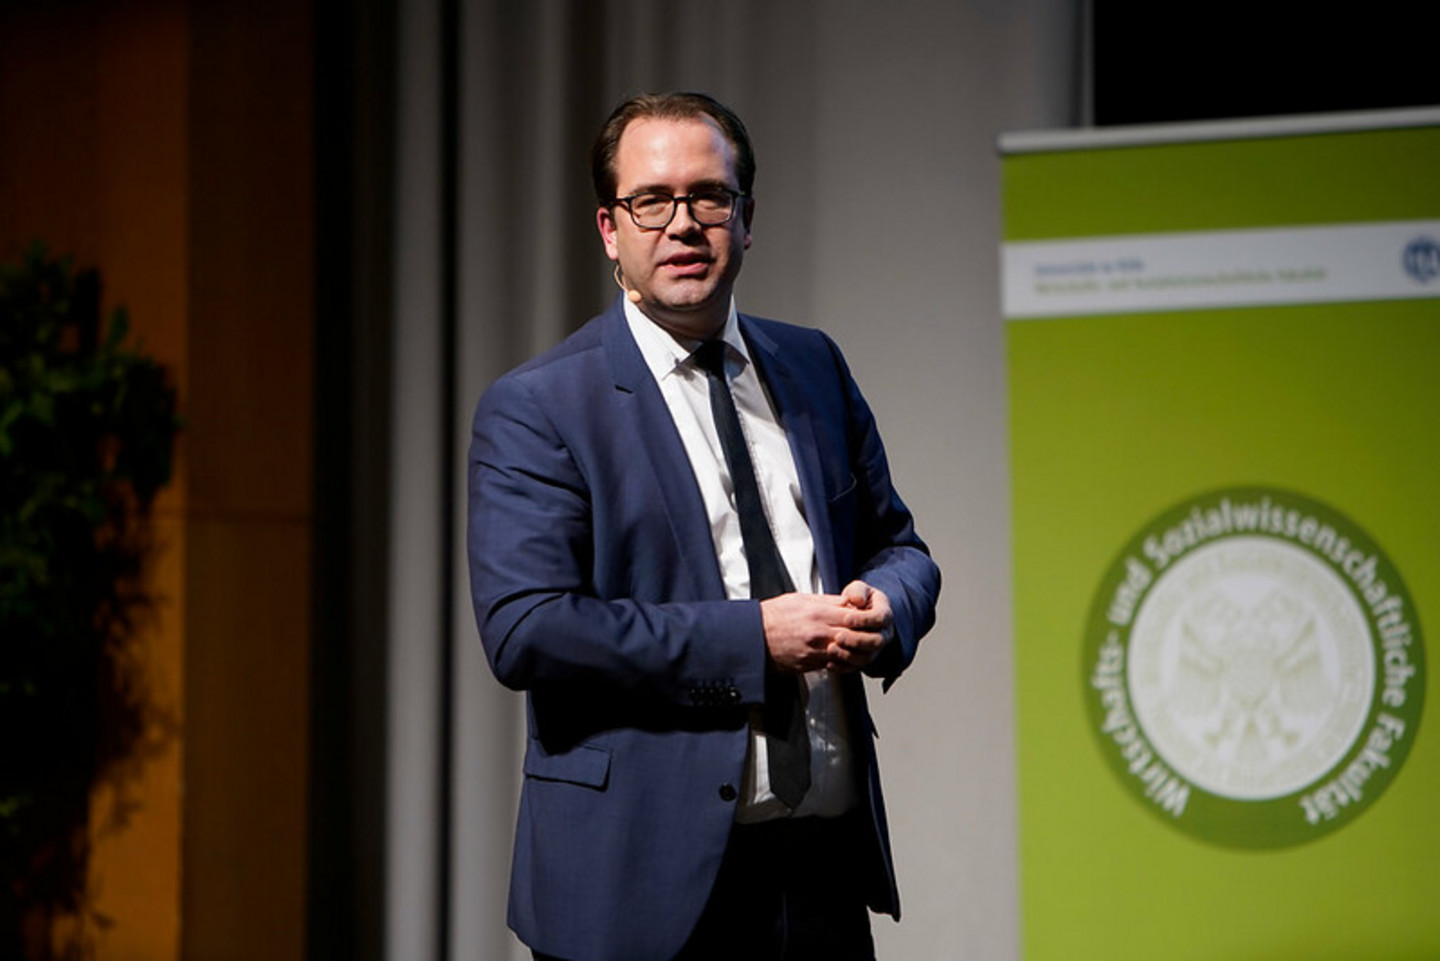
(686, 549)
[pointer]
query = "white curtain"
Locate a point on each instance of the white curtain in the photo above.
(877, 219)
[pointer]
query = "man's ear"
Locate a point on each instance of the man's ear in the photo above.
(605, 223)
(747, 216)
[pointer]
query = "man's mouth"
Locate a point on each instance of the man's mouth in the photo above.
(686, 265)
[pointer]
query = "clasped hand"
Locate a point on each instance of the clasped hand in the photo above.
(837, 632)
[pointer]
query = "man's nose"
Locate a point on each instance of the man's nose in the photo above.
(682, 224)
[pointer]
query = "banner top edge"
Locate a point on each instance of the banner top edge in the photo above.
(1041, 141)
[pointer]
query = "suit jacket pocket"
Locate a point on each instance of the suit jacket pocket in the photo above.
(585, 765)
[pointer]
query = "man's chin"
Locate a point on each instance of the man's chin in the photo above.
(696, 318)
(689, 298)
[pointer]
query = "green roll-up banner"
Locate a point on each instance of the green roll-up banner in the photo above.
(1224, 362)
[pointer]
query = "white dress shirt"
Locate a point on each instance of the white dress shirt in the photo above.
(686, 391)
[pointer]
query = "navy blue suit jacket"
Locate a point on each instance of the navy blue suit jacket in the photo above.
(597, 592)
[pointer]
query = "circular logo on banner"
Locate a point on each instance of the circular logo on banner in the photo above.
(1254, 668)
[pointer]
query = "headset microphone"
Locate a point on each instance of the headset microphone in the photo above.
(631, 294)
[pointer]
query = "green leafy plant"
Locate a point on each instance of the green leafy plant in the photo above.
(87, 426)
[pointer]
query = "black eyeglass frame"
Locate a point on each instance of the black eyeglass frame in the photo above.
(736, 196)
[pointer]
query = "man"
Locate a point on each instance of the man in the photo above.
(685, 546)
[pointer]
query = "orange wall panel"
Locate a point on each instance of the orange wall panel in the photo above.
(168, 144)
(93, 163)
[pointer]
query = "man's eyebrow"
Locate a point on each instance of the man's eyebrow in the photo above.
(665, 188)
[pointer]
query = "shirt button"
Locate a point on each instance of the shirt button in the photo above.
(727, 792)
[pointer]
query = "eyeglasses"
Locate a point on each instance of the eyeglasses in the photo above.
(710, 207)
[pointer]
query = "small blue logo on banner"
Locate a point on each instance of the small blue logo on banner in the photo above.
(1422, 259)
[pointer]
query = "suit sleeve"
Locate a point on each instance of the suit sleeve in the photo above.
(889, 553)
(531, 540)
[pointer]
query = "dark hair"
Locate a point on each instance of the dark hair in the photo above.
(667, 106)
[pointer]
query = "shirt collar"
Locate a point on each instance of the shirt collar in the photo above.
(665, 354)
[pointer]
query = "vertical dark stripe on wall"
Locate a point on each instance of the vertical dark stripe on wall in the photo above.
(587, 105)
(330, 908)
(504, 78)
(353, 85)
(449, 321)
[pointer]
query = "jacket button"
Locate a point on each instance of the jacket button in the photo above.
(727, 792)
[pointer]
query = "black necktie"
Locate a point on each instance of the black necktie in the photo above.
(787, 736)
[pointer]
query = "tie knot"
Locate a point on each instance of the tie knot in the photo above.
(710, 357)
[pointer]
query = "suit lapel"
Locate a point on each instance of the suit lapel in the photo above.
(638, 399)
(797, 416)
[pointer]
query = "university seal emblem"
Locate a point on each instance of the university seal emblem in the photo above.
(1254, 668)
